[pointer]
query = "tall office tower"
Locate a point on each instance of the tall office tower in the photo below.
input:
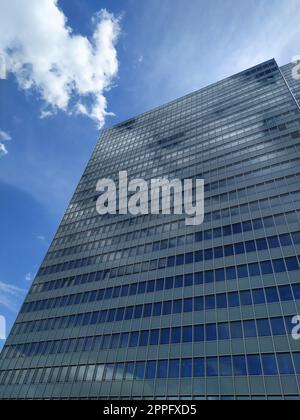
(146, 307)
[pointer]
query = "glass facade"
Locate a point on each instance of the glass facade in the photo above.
(146, 307)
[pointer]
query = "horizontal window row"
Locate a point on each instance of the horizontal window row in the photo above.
(240, 248)
(103, 244)
(115, 239)
(263, 159)
(209, 217)
(209, 201)
(121, 141)
(188, 305)
(209, 187)
(225, 366)
(187, 334)
(227, 136)
(237, 228)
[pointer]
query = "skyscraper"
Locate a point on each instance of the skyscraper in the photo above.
(146, 307)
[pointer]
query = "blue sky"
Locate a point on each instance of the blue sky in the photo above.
(165, 49)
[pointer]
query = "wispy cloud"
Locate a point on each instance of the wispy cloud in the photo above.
(29, 277)
(3, 150)
(10, 296)
(208, 41)
(40, 237)
(70, 72)
(4, 136)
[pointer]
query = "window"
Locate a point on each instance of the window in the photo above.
(250, 329)
(296, 357)
(90, 373)
(154, 337)
(273, 242)
(124, 340)
(177, 306)
(144, 338)
(242, 271)
(254, 365)
(188, 305)
(162, 369)
(165, 336)
(188, 280)
(246, 298)
(225, 366)
(178, 281)
(239, 249)
(147, 310)
(223, 331)
(176, 335)
(266, 267)
(199, 333)
(186, 368)
(263, 328)
(129, 375)
(233, 300)
(157, 309)
(231, 273)
(269, 364)
(261, 244)
(278, 326)
(250, 246)
(220, 275)
(285, 364)
(150, 370)
(285, 293)
(211, 332)
(199, 368)
(140, 370)
(167, 308)
(236, 330)
(120, 371)
(239, 366)
(210, 302)
(209, 277)
(134, 337)
(228, 250)
(258, 297)
(272, 295)
(99, 373)
(292, 264)
(174, 368)
(212, 366)
(296, 290)
(222, 301)
(296, 238)
(187, 334)
(279, 266)
(254, 270)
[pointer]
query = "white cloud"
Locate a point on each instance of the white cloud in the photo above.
(10, 296)
(65, 68)
(4, 136)
(29, 277)
(3, 150)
